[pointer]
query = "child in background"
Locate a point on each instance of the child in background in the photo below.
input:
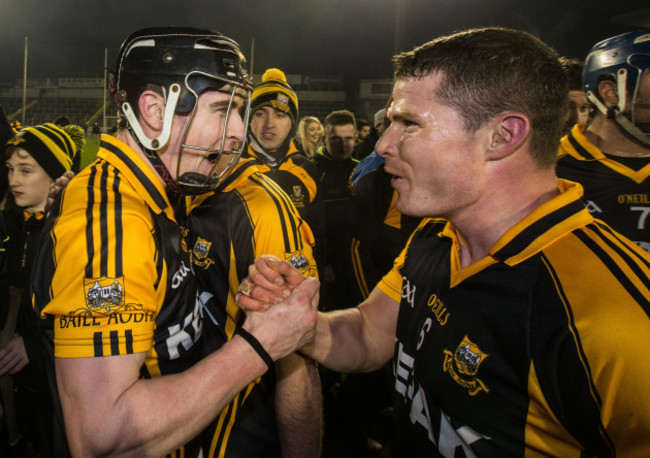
(35, 158)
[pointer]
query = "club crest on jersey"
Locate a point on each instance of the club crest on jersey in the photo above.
(299, 261)
(104, 295)
(297, 196)
(281, 103)
(463, 365)
(200, 253)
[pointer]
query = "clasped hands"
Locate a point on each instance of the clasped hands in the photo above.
(279, 300)
(270, 281)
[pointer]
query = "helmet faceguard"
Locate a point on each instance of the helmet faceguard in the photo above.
(624, 59)
(181, 63)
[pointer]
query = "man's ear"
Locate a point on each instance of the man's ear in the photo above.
(509, 132)
(152, 111)
(608, 92)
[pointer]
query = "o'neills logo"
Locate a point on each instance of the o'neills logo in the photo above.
(104, 295)
(463, 365)
(200, 253)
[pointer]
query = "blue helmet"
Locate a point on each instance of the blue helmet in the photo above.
(622, 59)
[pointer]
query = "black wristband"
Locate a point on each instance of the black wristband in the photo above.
(257, 346)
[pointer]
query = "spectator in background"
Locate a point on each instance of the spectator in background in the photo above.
(274, 112)
(364, 129)
(365, 148)
(579, 106)
(334, 163)
(310, 135)
(343, 432)
(35, 157)
(366, 139)
(96, 132)
(610, 156)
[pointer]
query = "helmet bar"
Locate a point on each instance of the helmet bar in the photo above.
(195, 183)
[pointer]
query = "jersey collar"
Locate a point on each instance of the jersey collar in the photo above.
(542, 227)
(138, 173)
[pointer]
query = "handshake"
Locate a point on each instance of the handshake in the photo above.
(281, 307)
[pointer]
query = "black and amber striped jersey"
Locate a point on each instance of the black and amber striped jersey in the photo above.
(297, 176)
(617, 189)
(531, 351)
(225, 233)
(110, 277)
(382, 231)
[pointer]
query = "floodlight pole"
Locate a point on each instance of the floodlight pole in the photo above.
(252, 56)
(25, 82)
(399, 12)
(104, 99)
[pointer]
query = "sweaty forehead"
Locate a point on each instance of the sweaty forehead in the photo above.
(415, 97)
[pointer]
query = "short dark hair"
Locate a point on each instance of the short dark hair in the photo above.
(492, 70)
(339, 118)
(573, 68)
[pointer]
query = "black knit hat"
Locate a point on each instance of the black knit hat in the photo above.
(275, 92)
(49, 145)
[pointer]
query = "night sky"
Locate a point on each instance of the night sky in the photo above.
(350, 38)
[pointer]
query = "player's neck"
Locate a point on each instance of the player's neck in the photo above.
(127, 138)
(481, 228)
(607, 136)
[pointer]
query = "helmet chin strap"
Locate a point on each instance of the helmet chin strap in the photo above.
(149, 146)
(170, 108)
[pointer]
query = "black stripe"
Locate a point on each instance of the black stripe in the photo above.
(276, 201)
(115, 343)
(234, 175)
(291, 210)
(526, 237)
(633, 255)
(575, 399)
(128, 334)
(158, 198)
(580, 149)
(103, 222)
(90, 250)
(616, 270)
(287, 205)
(119, 230)
(97, 343)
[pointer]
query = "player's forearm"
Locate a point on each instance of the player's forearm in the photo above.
(156, 416)
(298, 405)
(359, 339)
(339, 343)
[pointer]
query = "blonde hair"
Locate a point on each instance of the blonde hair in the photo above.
(308, 147)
